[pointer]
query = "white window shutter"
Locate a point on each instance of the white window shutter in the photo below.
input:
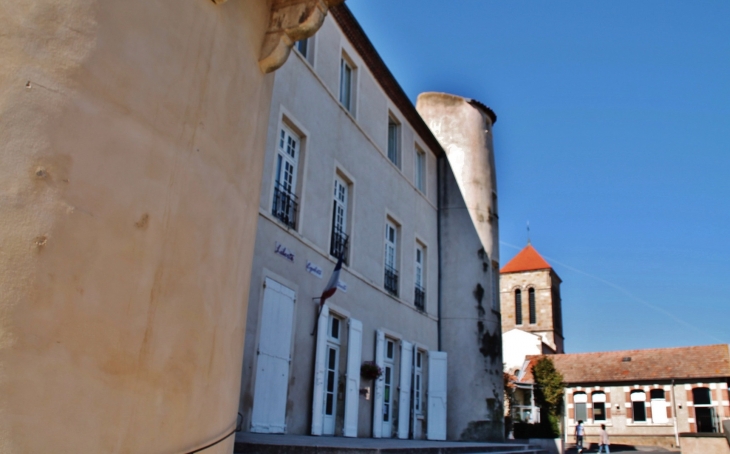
(379, 385)
(436, 426)
(404, 399)
(318, 399)
(659, 411)
(352, 388)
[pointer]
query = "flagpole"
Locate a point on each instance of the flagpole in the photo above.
(319, 312)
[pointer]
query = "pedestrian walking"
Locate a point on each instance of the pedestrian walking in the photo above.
(579, 433)
(603, 440)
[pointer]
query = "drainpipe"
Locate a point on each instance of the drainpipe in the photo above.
(674, 410)
(440, 185)
(565, 421)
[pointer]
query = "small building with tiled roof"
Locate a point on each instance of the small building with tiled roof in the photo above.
(532, 321)
(644, 397)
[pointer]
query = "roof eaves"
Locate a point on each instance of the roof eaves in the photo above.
(356, 35)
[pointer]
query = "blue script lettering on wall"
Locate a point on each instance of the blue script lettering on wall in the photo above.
(284, 251)
(342, 286)
(314, 269)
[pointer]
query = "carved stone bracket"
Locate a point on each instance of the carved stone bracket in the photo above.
(289, 22)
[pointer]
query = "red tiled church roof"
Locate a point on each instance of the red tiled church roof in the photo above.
(527, 259)
(705, 361)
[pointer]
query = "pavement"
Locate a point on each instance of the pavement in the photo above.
(626, 448)
(253, 442)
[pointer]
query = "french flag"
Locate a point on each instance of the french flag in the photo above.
(332, 284)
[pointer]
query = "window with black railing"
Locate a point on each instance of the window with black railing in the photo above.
(420, 298)
(285, 206)
(391, 280)
(338, 244)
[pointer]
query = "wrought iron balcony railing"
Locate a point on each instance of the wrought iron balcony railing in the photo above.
(420, 298)
(285, 206)
(391, 280)
(339, 244)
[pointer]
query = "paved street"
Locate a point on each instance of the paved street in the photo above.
(625, 448)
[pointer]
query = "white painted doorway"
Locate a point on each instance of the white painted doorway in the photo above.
(332, 367)
(273, 358)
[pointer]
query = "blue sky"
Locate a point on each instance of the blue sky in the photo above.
(611, 140)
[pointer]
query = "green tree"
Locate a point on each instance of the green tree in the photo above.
(549, 393)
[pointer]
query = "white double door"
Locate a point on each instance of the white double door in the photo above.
(273, 358)
(385, 387)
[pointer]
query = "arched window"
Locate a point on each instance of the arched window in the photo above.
(638, 406)
(599, 406)
(533, 312)
(658, 406)
(518, 307)
(580, 400)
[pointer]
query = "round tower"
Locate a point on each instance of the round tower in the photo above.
(469, 311)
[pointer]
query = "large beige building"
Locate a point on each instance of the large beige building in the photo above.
(354, 170)
(132, 138)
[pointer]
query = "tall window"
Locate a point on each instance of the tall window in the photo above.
(518, 307)
(533, 311)
(346, 84)
(339, 238)
(420, 170)
(391, 248)
(393, 141)
(285, 202)
(638, 406)
(704, 412)
(418, 383)
(580, 400)
(599, 406)
(658, 406)
(420, 293)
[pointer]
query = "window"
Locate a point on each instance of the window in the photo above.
(638, 406)
(346, 73)
(658, 406)
(533, 313)
(599, 406)
(339, 238)
(580, 399)
(285, 202)
(302, 46)
(704, 413)
(388, 380)
(420, 293)
(393, 141)
(420, 170)
(518, 307)
(391, 245)
(418, 383)
(332, 361)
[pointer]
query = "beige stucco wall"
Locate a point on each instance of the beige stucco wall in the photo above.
(705, 445)
(131, 142)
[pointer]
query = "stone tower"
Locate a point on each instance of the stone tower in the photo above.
(470, 331)
(530, 300)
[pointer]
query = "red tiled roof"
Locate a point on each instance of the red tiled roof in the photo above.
(527, 259)
(705, 361)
